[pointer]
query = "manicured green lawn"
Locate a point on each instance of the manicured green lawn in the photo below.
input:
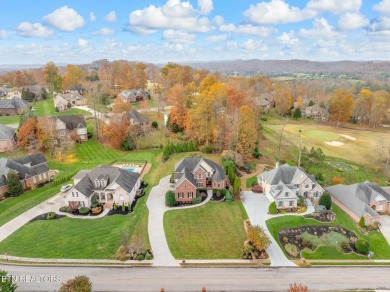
(250, 181)
(46, 108)
(13, 207)
(378, 243)
(9, 120)
(212, 231)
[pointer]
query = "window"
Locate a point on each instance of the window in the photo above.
(306, 186)
(313, 186)
(97, 183)
(103, 183)
(199, 176)
(297, 193)
(40, 176)
(102, 196)
(82, 137)
(291, 203)
(199, 184)
(286, 194)
(185, 185)
(219, 185)
(77, 194)
(379, 207)
(180, 195)
(209, 174)
(190, 195)
(121, 197)
(280, 204)
(44, 175)
(34, 180)
(82, 204)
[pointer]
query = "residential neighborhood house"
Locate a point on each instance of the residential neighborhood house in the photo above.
(133, 95)
(13, 106)
(32, 170)
(73, 125)
(7, 138)
(63, 101)
(193, 173)
(285, 183)
(107, 184)
(316, 112)
(138, 120)
(366, 199)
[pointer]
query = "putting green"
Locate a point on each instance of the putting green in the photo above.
(321, 136)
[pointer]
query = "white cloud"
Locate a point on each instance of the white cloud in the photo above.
(92, 16)
(172, 15)
(110, 17)
(216, 38)
(219, 20)
(383, 7)
(104, 31)
(178, 36)
(178, 48)
(133, 48)
(321, 30)
(28, 29)
(251, 45)
(380, 26)
(335, 6)
(247, 29)
(3, 34)
(288, 39)
(64, 18)
(351, 20)
(206, 6)
(82, 42)
(276, 11)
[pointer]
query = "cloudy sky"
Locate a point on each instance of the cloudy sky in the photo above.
(158, 31)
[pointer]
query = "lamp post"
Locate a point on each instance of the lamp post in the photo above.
(300, 148)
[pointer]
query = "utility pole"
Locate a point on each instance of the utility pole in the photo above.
(300, 148)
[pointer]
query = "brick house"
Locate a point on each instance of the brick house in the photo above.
(62, 100)
(285, 183)
(32, 170)
(73, 125)
(133, 95)
(193, 173)
(13, 106)
(366, 199)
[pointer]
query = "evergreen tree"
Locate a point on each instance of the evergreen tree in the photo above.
(311, 103)
(231, 174)
(326, 201)
(297, 113)
(15, 186)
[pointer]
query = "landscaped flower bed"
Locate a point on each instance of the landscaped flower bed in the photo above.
(294, 240)
(47, 216)
(326, 216)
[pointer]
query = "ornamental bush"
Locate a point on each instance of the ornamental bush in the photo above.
(170, 199)
(83, 210)
(326, 201)
(51, 215)
(79, 283)
(362, 246)
(272, 208)
(362, 223)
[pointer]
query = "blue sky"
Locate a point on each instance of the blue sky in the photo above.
(159, 31)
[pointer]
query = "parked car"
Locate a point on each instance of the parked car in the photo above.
(66, 188)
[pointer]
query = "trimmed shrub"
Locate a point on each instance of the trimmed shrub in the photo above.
(228, 197)
(51, 215)
(123, 207)
(326, 201)
(96, 210)
(148, 256)
(362, 246)
(362, 223)
(65, 209)
(79, 283)
(257, 188)
(155, 124)
(140, 257)
(170, 199)
(206, 149)
(292, 249)
(6, 282)
(264, 119)
(115, 206)
(122, 254)
(197, 200)
(83, 210)
(272, 208)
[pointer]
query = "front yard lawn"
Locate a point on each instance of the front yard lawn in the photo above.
(250, 181)
(212, 231)
(378, 243)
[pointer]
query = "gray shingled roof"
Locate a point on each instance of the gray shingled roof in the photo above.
(281, 188)
(14, 103)
(192, 162)
(72, 121)
(284, 173)
(137, 117)
(122, 177)
(6, 133)
(186, 175)
(26, 166)
(357, 197)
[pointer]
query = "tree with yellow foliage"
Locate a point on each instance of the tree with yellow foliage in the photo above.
(72, 77)
(341, 105)
(247, 133)
(121, 106)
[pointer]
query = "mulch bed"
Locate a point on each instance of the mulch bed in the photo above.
(119, 211)
(327, 216)
(44, 217)
(293, 236)
(189, 204)
(215, 198)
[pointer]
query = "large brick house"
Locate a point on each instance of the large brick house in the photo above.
(133, 95)
(32, 170)
(193, 173)
(366, 199)
(62, 100)
(285, 183)
(73, 125)
(13, 106)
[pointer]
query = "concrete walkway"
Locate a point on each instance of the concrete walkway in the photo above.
(162, 256)
(256, 205)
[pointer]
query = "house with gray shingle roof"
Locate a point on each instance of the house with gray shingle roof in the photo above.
(13, 106)
(366, 199)
(7, 138)
(73, 125)
(316, 112)
(193, 173)
(32, 169)
(63, 100)
(285, 183)
(108, 184)
(133, 95)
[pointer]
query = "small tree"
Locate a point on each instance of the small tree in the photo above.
(15, 186)
(272, 208)
(6, 282)
(236, 185)
(155, 124)
(68, 105)
(170, 199)
(297, 113)
(123, 207)
(362, 223)
(231, 174)
(362, 246)
(79, 283)
(115, 207)
(311, 103)
(326, 201)
(258, 238)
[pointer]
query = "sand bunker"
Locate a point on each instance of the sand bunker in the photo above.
(348, 137)
(335, 143)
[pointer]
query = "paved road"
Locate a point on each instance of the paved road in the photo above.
(256, 205)
(156, 205)
(214, 279)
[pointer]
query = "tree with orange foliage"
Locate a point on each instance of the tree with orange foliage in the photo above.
(72, 77)
(46, 134)
(116, 131)
(178, 112)
(283, 100)
(27, 134)
(235, 99)
(247, 133)
(341, 105)
(121, 106)
(337, 180)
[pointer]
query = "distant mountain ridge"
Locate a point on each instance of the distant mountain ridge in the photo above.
(293, 66)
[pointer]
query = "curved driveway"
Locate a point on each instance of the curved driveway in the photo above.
(162, 256)
(256, 205)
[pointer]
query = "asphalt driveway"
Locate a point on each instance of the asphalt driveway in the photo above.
(256, 205)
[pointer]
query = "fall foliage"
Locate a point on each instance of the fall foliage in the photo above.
(341, 105)
(121, 106)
